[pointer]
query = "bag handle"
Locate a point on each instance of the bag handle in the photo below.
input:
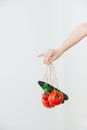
(50, 75)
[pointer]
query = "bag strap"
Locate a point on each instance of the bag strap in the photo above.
(50, 75)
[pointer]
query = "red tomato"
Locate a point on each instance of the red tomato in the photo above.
(45, 101)
(45, 96)
(56, 97)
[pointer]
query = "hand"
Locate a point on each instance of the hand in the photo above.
(50, 55)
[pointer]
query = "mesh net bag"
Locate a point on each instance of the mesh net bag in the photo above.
(52, 95)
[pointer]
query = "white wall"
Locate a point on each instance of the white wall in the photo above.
(26, 29)
(75, 67)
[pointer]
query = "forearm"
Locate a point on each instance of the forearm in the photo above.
(78, 34)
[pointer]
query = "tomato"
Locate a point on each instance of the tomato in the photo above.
(45, 101)
(56, 97)
(45, 96)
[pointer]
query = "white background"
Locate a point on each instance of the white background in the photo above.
(28, 28)
(75, 67)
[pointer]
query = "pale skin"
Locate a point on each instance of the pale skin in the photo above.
(75, 37)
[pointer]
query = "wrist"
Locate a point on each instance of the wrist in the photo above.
(60, 50)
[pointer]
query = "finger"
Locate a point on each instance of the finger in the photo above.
(46, 62)
(40, 55)
(47, 59)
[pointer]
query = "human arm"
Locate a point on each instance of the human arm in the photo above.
(75, 37)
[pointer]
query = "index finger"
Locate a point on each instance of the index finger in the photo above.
(40, 55)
